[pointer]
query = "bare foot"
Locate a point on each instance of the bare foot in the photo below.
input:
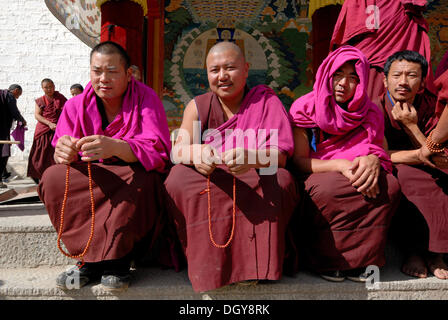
(437, 266)
(415, 266)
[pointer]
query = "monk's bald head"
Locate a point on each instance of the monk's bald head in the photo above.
(227, 71)
(226, 46)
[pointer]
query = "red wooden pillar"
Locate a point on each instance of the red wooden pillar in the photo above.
(122, 22)
(155, 45)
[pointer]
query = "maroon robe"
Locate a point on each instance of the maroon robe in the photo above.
(264, 204)
(42, 152)
(123, 214)
(424, 189)
(442, 92)
(340, 228)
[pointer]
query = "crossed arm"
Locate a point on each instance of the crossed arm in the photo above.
(362, 172)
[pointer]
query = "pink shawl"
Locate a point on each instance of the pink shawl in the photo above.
(357, 131)
(141, 122)
(261, 111)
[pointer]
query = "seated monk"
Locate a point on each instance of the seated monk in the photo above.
(229, 201)
(421, 223)
(117, 129)
(350, 193)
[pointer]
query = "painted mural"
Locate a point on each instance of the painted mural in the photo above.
(273, 34)
(437, 17)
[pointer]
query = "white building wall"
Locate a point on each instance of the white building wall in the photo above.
(34, 45)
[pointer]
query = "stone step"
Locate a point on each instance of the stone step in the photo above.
(27, 238)
(157, 284)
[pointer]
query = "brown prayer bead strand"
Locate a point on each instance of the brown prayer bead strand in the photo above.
(221, 246)
(61, 225)
(433, 146)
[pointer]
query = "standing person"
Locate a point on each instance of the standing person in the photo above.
(47, 111)
(118, 128)
(8, 113)
(76, 89)
(421, 223)
(232, 236)
(350, 193)
(379, 27)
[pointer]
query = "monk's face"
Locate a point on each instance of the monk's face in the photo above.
(227, 73)
(345, 80)
(109, 76)
(404, 80)
(48, 88)
(75, 91)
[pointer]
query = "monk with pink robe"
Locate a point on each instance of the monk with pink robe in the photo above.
(421, 223)
(118, 125)
(350, 193)
(379, 28)
(47, 111)
(232, 206)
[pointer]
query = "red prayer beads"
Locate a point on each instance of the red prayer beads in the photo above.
(61, 225)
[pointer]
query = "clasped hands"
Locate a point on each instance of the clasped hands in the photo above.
(93, 148)
(238, 160)
(363, 173)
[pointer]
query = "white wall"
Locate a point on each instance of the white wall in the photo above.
(35, 45)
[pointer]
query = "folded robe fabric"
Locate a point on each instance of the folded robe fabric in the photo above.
(141, 123)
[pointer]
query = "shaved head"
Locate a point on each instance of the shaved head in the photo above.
(226, 46)
(227, 71)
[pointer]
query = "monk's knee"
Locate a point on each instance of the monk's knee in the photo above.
(324, 187)
(175, 182)
(53, 178)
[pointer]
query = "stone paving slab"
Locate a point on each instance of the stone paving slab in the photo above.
(157, 284)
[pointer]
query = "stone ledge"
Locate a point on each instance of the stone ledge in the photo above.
(157, 284)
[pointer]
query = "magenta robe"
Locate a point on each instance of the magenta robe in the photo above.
(264, 203)
(341, 229)
(127, 197)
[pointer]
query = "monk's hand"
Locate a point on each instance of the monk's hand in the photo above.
(239, 160)
(96, 147)
(405, 113)
(208, 162)
(66, 150)
(424, 156)
(344, 166)
(366, 170)
(440, 160)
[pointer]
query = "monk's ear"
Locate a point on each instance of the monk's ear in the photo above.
(385, 81)
(246, 69)
(422, 86)
(129, 74)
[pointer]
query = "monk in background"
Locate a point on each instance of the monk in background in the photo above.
(230, 198)
(421, 224)
(350, 192)
(47, 112)
(118, 127)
